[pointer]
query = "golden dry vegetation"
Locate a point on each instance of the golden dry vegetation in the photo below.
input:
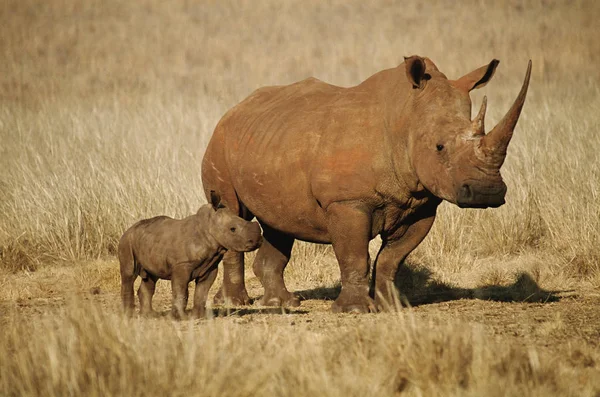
(106, 108)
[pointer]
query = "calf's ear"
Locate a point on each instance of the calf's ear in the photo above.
(215, 200)
(415, 71)
(477, 78)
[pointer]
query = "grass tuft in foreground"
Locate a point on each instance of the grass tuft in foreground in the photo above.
(82, 350)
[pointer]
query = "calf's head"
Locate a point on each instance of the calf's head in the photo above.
(231, 231)
(450, 153)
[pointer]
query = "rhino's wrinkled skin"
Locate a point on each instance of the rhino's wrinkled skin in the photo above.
(181, 250)
(327, 164)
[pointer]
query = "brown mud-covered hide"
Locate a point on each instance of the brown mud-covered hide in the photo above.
(327, 164)
(181, 250)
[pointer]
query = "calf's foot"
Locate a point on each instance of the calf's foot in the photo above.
(148, 313)
(198, 313)
(178, 314)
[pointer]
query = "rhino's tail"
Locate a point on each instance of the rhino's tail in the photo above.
(129, 272)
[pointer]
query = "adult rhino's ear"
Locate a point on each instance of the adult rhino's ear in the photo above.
(477, 78)
(215, 200)
(415, 71)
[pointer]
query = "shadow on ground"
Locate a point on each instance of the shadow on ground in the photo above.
(417, 287)
(237, 311)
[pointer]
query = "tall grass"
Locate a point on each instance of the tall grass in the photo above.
(106, 108)
(81, 350)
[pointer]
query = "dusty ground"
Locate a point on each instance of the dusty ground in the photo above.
(559, 324)
(520, 334)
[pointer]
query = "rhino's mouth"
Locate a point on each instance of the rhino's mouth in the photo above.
(482, 205)
(472, 196)
(253, 244)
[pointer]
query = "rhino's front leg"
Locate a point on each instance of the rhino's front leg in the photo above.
(203, 285)
(349, 228)
(180, 279)
(392, 253)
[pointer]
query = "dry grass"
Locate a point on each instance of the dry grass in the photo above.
(86, 351)
(106, 108)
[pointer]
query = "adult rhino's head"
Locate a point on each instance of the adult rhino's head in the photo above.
(450, 153)
(231, 231)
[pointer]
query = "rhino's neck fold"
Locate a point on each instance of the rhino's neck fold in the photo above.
(204, 225)
(398, 140)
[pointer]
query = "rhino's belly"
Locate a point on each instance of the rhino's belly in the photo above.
(293, 214)
(280, 197)
(153, 262)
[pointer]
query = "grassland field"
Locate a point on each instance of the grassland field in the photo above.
(106, 108)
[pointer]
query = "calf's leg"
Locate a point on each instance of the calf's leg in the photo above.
(179, 285)
(203, 285)
(145, 293)
(128, 276)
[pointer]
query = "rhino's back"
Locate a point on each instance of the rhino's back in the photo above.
(152, 242)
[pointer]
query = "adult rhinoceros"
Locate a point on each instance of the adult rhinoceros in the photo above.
(326, 164)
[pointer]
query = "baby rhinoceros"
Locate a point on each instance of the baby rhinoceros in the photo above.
(181, 250)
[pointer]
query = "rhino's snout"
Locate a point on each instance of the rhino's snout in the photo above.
(254, 238)
(254, 243)
(474, 195)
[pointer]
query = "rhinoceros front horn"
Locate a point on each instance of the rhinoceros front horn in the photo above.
(496, 142)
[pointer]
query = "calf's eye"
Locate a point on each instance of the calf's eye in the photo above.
(439, 147)
(232, 230)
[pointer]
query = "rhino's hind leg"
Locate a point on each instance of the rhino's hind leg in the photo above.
(233, 291)
(269, 264)
(128, 276)
(146, 292)
(127, 296)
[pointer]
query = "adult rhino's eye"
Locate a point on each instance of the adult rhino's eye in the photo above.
(232, 230)
(439, 147)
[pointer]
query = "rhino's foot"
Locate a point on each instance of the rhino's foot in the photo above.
(347, 303)
(128, 311)
(233, 298)
(179, 315)
(148, 314)
(282, 299)
(388, 300)
(198, 313)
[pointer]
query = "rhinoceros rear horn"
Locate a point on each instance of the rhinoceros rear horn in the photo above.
(496, 142)
(479, 120)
